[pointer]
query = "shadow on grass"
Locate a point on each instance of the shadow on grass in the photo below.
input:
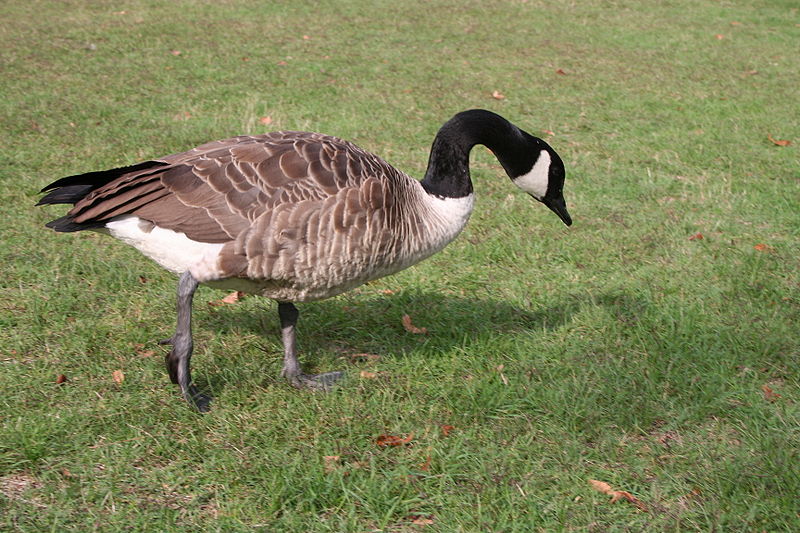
(354, 324)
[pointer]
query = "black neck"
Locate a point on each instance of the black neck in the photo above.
(448, 166)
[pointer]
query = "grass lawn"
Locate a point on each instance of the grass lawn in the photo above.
(653, 346)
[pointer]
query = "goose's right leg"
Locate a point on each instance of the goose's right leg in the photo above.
(178, 358)
(288, 314)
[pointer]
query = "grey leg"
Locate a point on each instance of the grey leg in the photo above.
(178, 358)
(288, 314)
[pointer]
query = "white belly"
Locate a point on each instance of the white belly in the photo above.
(170, 249)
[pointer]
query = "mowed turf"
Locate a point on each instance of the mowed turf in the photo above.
(652, 346)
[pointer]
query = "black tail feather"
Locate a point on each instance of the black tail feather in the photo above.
(101, 177)
(66, 224)
(72, 189)
(68, 194)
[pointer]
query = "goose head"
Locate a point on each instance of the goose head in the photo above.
(541, 175)
(530, 162)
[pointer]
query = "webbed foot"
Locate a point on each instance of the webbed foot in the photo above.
(319, 382)
(197, 399)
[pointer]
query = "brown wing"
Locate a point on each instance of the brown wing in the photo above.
(216, 191)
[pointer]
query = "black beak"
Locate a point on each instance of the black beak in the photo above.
(559, 207)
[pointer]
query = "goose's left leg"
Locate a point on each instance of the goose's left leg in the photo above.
(288, 314)
(178, 358)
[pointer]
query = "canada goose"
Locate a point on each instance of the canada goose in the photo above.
(296, 216)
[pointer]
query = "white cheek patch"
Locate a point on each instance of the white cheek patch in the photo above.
(535, 181)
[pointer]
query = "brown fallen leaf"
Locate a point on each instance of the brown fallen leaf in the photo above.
(387, 292)
(61, 379)
(232, 298)
(561, 71)
(719, 36)
(778, 142)
(421, 520)
(761, 247)
(118, 376)
(141, 352)
(548, 132)
(616, 495)
(143, 280)
(696, 237)
(331, 462)
(497, 95)
(265, 120)
(393, 440)
(426, 466)
(362, 357)
(769, 394)
(503, 377)
(411, 328)
(366, 374)
(446, 429)
(667, 437)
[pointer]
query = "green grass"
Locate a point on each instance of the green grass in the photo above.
(630, 354)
